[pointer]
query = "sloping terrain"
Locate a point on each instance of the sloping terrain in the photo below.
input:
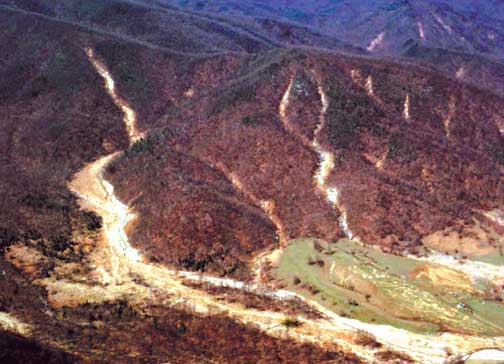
(462, 38)
(56, 116)
(49, 93)
(401, 177)
(380, 26)
(477, 70)
(143, 146)
(17, 349)
(151, 26)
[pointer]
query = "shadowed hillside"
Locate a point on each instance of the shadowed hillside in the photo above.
(479, 71)
(380, 26)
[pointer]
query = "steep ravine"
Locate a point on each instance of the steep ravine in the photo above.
(326, 158)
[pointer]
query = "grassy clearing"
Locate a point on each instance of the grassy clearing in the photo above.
(365, 284)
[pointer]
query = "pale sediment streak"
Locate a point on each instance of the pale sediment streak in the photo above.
(496, 216)
(282, 111)
(358, 79)
(406, 111)
(268, 206)
(380, 162)
(488, 356)
(125, 216)
(326, 165)
(115, 215)
(449, 117)
(9, 322)
(460, 72)
(443, 24)
(477, 271)
(377, 41)
(282, 108)
(129, 113)
(355, 76)
(421, 31)
(331, 270)
(369, 86)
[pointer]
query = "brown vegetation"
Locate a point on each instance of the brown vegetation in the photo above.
(175, 334)
(393, 357)
(290, 307)
(16, 349)
(212, 117)
(367, 340)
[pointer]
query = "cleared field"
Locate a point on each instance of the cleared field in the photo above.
(365, 284)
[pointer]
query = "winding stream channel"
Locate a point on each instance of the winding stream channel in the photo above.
(116, 264)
